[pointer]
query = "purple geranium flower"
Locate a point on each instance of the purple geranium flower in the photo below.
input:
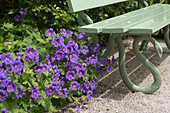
(50, 33)
(71, 75)
(84, 49)
(19, 56)
(10, 86)
(63, 81)
(109, 68)
(63, 93)
(36, 58)
(17, 18)
(3, 94)
(83, 88)
(35, 94)
(93, 85)
(68, 34)
(59, 55)
(73, 58)
(17, 66)
(96, 47)
(6, 58)
(104, 61)
(50, 90)
(4, 110)
(87, 84)
(20, 92)
(77, 66)
(93, 60)
(22, 11)
(30, 52)
(3, 68)
(69, 49)
(54, 78)
(39, 69)
(63, 31)
(89, 94)
(57, 41)
(81, 72)
(75, 86)
(3, 80)
(56, 86)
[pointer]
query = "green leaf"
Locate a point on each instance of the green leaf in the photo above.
(8, 25)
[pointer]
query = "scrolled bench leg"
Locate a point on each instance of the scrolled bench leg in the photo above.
(157, 76)
(110, 47)
(166, 36)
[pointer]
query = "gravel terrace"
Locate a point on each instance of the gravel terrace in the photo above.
(115, 97)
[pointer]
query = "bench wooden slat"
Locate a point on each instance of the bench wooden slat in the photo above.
(97, 27)
(123, 26)
(80, 5)
(152, 25)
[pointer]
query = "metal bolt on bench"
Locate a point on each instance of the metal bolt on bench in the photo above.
(142, 22)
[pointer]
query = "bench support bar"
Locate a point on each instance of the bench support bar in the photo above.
(155, 72)
(166, 36)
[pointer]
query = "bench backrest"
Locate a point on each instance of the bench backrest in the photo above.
(80, 5)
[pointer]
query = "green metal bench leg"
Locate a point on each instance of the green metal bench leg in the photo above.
(144, 46)
(166, 36)
(110, 48)
(94, 38)
(157, 76)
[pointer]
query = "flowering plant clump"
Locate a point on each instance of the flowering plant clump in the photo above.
(67, 73)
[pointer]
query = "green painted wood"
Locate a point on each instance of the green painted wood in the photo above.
(152, 25)
(81, 5)
(135, 15)
(123, 26)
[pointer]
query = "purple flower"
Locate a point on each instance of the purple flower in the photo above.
(54, 78)
(4, 110)
(75, 86)
(109, 68)
(59, 55)
(84, 49)
(87, 84)
(50, 90)
(10, 86)
(22, 11)
(73, 58)
(50, 33)
(35, 93)
(45, 67)
(89, 94)
(63, 31)
(30, 52)
(93, 85)
(63, 81)
(63, 93)
(17, 66)
(93, 60)
(104, 61)
(96, 47)
(83, 88)
(20, 92)
(81, 72)
(19, 56)
(68, 34)
(69, 49)
(71, 75)
(3, 80)
(77, 66)
(17, 18)
(39, 69)
(57, 41)
(73, 45)
(56, 86)
(6, 58)
(3, 94)
(36, 59)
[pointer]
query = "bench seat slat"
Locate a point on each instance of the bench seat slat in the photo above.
(98, 27)
(80, 5)
(123, 26)
(152, 25)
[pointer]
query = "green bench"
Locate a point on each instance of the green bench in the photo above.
(142, 22)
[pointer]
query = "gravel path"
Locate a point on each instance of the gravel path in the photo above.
(115, 97)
